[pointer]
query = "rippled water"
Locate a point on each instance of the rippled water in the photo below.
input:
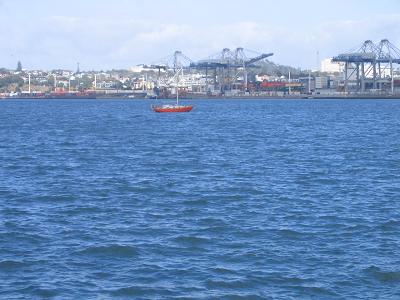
(235, 200)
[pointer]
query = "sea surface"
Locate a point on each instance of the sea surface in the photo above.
(239, 199)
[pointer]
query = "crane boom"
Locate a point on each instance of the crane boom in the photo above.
(258, 58)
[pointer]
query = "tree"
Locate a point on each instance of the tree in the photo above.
(85, 82)
(19, 66)
(9, 80)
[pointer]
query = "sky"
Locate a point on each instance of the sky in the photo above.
(105, 34)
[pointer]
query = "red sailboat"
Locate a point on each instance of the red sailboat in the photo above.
(173, 108)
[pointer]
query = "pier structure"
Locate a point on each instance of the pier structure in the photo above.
(370, 67)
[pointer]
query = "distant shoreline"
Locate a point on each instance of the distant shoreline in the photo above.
(301, 97)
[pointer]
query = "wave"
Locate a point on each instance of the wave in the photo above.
(292, 234)
(390, 225)
(11, 264)
(228, 284)
(192, 240)
(111, 250)
(140, 291)
(383, 276)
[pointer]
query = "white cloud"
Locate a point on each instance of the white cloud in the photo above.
(163, 33)
(61, 41)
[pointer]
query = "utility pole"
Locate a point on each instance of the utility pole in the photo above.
(245, 78)
(391, 75)
(290, 89)
(346, 68)
(29, 82)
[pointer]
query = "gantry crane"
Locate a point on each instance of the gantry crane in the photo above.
(369, 64)
(226, 61)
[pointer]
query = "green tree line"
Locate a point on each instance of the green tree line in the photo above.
(12, 79)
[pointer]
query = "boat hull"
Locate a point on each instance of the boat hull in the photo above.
(173, 109)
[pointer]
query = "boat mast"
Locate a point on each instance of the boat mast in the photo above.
(177, 89)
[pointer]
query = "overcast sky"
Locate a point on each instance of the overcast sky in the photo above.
(105, 34)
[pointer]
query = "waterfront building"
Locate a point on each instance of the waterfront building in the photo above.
(321, 82)
(327, 66)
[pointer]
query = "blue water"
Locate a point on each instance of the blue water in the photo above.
(296, 199)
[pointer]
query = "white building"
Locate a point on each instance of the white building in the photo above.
(331, 67)
(137, 69)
